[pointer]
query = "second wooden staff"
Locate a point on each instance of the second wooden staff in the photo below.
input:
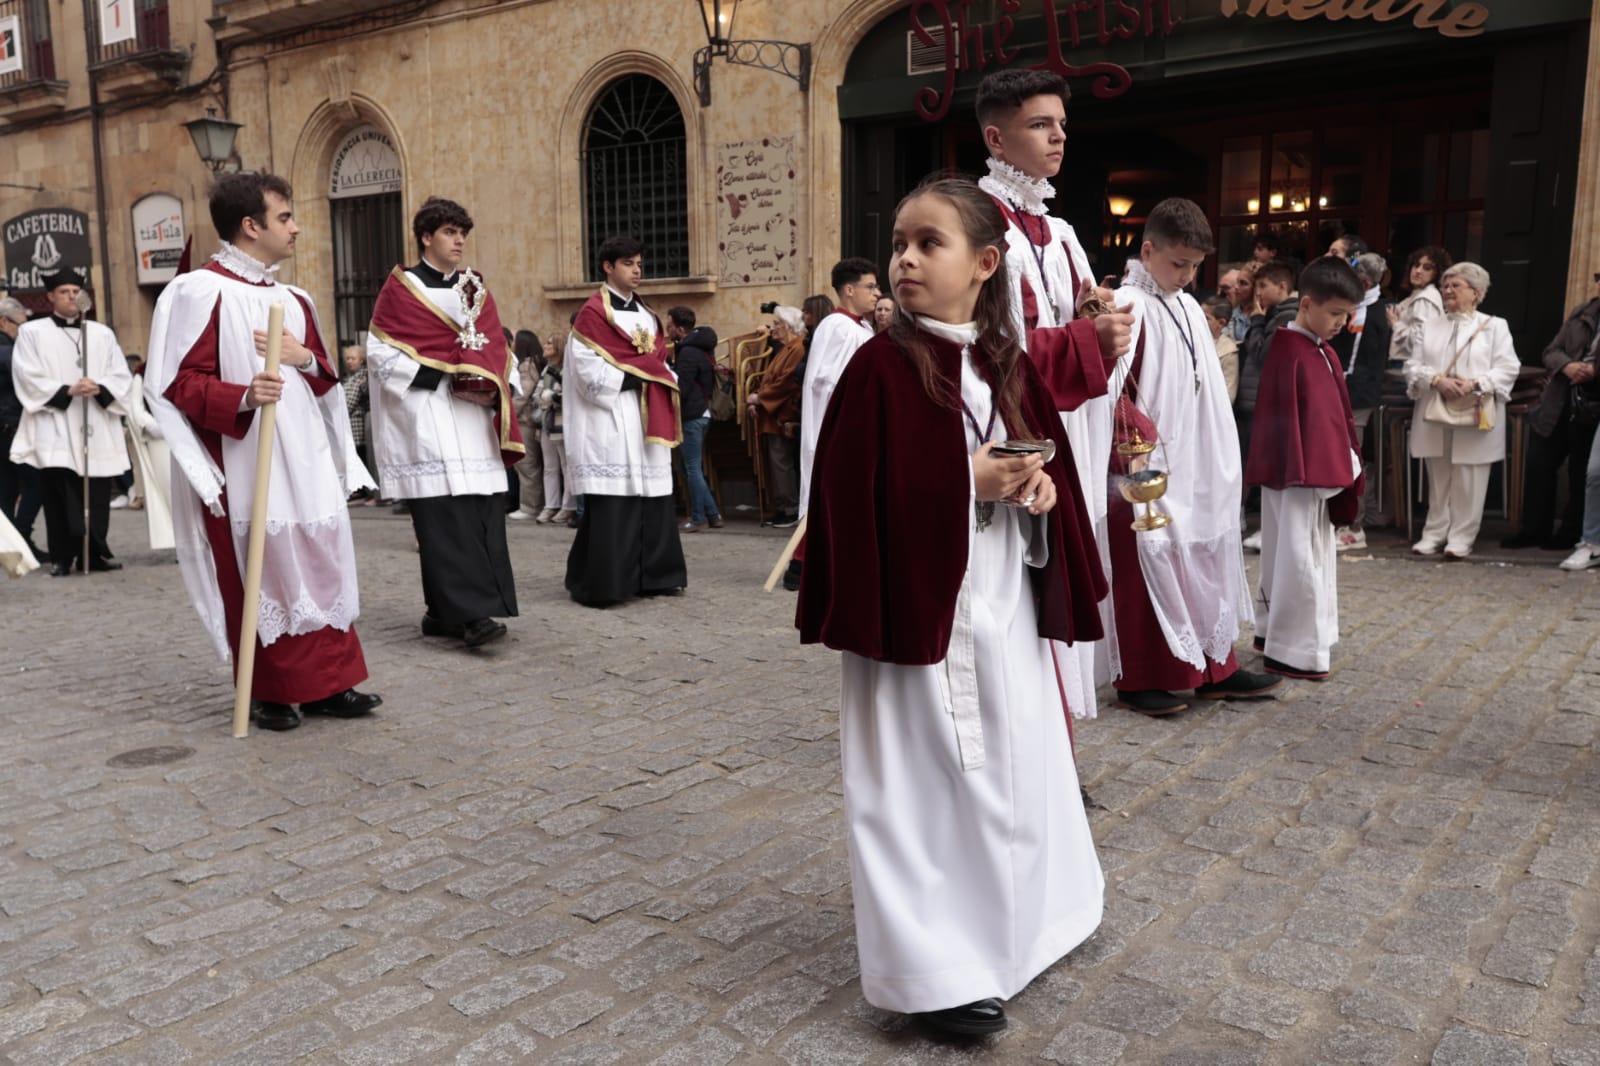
(266, 424)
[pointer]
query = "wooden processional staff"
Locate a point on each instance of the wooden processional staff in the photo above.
(250, 613)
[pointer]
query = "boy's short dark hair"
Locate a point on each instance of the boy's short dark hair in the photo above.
(436, 212)
(1270, 242)
(241, 195)
(1218, 308)
(1176, 221)
(1006, 90)
(1331, 279)
(849, 271)
(617, 248)
(1279, 271)
(682, 317)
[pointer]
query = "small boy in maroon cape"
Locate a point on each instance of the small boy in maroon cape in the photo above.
(1306, 456)
(622, 421)
(446, 449)
(942, 569)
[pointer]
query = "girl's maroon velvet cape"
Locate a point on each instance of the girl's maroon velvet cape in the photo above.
(890, 510)
(1304, 429)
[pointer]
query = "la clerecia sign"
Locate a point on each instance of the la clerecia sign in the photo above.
(969, 44)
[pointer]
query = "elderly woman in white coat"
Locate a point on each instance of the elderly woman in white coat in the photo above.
(1464, 354)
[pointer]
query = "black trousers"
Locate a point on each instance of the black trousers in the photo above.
(62, 490)
(20, 497)
(466, 566)
(626, 546)
(1569, 441)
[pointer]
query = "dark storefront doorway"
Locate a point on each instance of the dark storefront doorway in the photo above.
(1401, 136)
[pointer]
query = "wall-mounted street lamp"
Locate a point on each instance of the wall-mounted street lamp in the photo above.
(213, 138)
(782, 57)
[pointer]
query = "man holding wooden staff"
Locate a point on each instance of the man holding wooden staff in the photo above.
(205, 384)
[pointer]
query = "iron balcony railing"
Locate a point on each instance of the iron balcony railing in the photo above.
(151, 30)
(27, 38)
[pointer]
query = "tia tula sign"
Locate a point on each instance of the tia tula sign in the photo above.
(1070, 25)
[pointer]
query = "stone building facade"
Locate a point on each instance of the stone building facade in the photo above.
(548, 119)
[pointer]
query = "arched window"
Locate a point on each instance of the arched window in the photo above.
(634, 175)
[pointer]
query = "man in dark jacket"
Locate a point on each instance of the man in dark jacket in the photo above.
(19, 483)
(1277, 304)
(695, 364)
(1363, 350)
(1563, 429)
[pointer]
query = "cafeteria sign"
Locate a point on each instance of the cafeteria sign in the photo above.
(41, 242)
(1460, 20)
(157, 237)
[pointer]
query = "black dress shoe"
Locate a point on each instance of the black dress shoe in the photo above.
(975, 1019)
(1301, 673)
(102, 565)
(277, 717)
(791, 576)
(1153, 701)
(476, 634)
(432, 627)
(59, 569)
(347, 704)
(1240, 685)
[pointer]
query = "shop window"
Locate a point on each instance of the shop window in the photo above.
(1241, 176)
(1469, 165)
(1463, 235)
(1344, 168)
(1236, 244)
(1437, 187)
(635, 175)
(1289, 187)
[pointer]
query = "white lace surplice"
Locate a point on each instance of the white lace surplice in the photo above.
(308, 577)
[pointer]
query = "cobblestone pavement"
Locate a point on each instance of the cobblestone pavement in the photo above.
(616, 838)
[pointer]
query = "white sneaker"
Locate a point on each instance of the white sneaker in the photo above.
(1253, 542)
(1349, 539)
(1587, 556)
(519, 516)
(119, 502)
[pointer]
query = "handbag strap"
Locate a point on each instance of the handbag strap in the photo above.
(1450, 372)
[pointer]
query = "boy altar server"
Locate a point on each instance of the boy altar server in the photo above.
(1306, 456)
(1023, 116)
(68, 371)
(442, 427)
(206, 380)
(622, 421)
(1180, 590)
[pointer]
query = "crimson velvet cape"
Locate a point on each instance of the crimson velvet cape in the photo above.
(1304, 431)
(891, 511)
(405, 319)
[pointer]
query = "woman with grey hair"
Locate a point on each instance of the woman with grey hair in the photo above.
(1460, 376)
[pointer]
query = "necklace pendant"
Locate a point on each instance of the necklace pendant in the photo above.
(984, 509)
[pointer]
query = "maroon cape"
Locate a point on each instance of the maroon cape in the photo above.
(409, 321)
(659, 403)
(886, 541)
(1304, 430)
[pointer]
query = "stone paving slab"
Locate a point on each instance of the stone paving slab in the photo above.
(616, 837)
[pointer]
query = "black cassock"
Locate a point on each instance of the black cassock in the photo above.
(626, 546)
(466, 564)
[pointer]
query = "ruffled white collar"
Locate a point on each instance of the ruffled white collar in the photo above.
(245, 266)
(1138, 277)
(1007, 183)
(962, 334)
(1461, 316)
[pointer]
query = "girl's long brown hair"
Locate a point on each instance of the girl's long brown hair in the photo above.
(997, 353)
